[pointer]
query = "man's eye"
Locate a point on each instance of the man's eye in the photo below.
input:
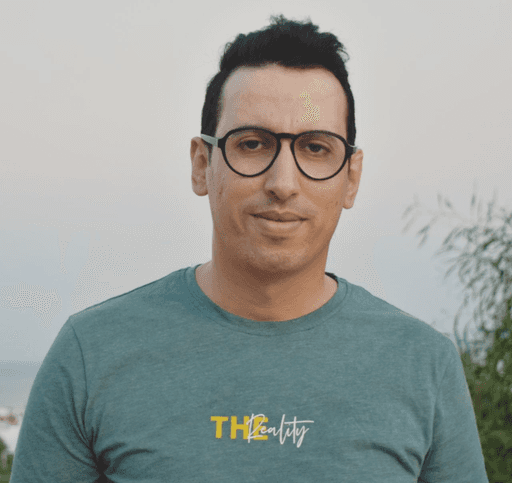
(252, 144)
(316, 148)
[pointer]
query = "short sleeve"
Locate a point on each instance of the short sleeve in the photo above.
(52, 443)
(455, 454)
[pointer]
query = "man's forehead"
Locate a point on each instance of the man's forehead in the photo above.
(302, 99)
(282, 83)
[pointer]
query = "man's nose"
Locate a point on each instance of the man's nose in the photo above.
(283, 177)
(285, 162)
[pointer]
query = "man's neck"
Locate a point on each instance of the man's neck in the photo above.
(275, 301)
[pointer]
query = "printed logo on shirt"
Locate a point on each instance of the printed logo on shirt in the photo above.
(252, 428)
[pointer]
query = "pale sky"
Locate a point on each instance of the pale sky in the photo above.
(99, 101)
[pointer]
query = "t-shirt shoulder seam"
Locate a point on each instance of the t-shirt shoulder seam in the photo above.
(91, 307)
(396, 310)
(447, 364)
(82, 357)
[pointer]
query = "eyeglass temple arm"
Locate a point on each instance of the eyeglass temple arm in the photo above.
(209, 139)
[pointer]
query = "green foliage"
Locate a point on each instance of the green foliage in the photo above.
(485, 269)
(5, 472)
(490, 387)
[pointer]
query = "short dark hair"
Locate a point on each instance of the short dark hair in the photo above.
(284, 42)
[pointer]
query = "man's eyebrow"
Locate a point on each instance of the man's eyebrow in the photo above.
(255, 126)
(252, 126)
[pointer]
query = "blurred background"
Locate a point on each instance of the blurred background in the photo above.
(99, 102)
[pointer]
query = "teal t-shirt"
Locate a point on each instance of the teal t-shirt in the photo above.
(162, 385)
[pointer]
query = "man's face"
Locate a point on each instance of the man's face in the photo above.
(282, 100)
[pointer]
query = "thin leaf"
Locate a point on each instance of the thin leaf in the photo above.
(406, 228)
(489, 211)
(408, 210)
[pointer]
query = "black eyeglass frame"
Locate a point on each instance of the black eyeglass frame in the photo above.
(221, 143)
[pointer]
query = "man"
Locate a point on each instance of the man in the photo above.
(258, 365)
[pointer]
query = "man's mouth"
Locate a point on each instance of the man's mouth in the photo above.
(278, 221)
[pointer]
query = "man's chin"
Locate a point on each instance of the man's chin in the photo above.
(284, 262)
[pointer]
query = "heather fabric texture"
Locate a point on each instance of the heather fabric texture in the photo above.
(162, 385)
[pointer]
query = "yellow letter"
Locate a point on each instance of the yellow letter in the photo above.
(257, 421)
(218, 425)
(235, 427)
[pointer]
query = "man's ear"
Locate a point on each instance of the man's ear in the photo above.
(199, 158)
(355, 169)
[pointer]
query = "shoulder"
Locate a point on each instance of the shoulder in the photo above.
(394, 327)
(132, 307)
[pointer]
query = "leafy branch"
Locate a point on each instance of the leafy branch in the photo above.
(483, 264)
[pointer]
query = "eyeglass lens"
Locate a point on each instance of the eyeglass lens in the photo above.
(319, 155)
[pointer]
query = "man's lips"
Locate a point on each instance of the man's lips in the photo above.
(278, 221)
(281, 216)
(280, 229)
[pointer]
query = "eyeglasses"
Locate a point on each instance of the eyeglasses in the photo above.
(250, 152)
